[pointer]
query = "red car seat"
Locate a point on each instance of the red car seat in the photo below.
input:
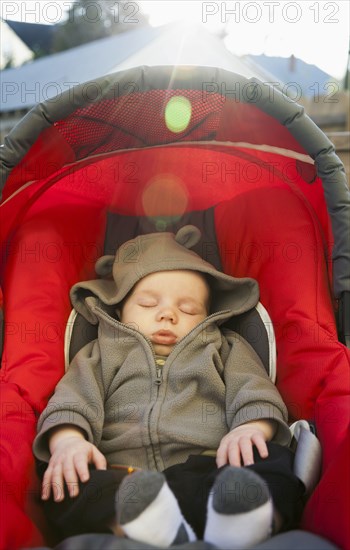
(279, 205)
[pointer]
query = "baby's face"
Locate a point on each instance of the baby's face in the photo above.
(166, 305)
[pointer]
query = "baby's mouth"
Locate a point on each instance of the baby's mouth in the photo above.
(165, 337)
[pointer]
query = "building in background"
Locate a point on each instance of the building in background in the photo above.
(37, 37)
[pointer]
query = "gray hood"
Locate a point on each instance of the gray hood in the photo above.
(155, 252)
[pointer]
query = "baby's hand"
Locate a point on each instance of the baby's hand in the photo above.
(69, 463)
(236, 448)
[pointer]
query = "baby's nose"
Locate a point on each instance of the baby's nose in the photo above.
(167, 314)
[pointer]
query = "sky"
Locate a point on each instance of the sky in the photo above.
(315, 31)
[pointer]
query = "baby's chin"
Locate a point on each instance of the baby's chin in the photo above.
(162, 349)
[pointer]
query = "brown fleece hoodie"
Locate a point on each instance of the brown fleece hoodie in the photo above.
(150, 417)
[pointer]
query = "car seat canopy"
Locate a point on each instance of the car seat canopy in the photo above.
(135, 109)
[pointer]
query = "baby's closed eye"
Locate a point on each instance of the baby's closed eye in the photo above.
(147, 302)
(190, 308)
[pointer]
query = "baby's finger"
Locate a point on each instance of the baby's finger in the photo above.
(246, 451)
(81, 466)
(46, 485)
(221, 454)
(234, 454)
(57, 483)
(71, 478)
(260, 444)
(98, 459)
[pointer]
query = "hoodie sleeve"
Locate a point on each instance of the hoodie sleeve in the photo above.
(78, 400)
(250, 394)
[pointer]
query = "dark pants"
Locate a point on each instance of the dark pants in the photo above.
(192, 481)
(94, 508)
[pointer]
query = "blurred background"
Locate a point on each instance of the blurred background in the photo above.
(301, 47)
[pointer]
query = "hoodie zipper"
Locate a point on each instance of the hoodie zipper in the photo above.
(159, 371)
(159, 365)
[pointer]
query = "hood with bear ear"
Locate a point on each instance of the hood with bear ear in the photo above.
(156, 252)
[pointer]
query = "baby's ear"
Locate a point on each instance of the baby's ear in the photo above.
(104, 266)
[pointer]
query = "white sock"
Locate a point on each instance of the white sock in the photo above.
(160, 522)
(240, 510)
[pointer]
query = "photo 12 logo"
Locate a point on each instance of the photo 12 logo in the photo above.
(56, 12)
(270, 11)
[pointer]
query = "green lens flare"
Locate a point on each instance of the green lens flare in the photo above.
(178, 114)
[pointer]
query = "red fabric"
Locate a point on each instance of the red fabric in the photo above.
(114, 124)
(328, 510)
(46, 156)
(56, 245)
(270, 234)
(18, 426)
(123, 122)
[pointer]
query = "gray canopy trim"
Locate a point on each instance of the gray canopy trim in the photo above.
(209, 80)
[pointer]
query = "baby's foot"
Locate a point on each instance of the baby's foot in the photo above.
(240, 510)
(148, 511)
